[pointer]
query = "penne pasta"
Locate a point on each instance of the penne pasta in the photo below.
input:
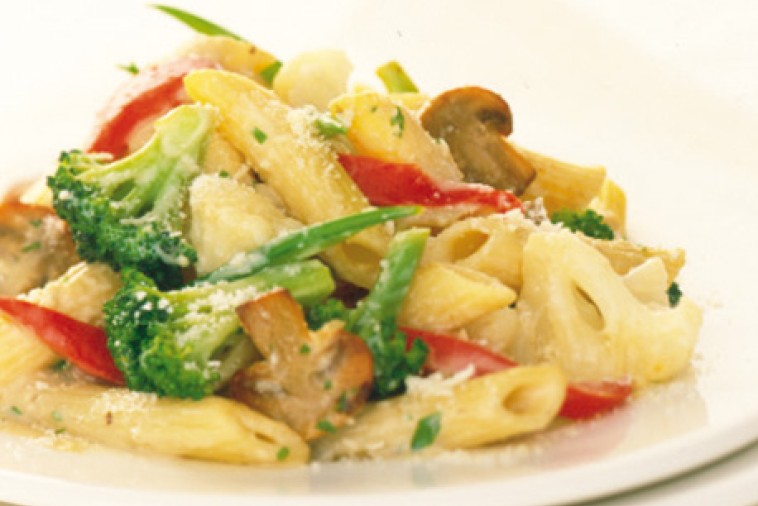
(381, 128)
(477, 412)
(562, 185)
(212, 428)
(446, 296)
(285, 151)
(79, 293)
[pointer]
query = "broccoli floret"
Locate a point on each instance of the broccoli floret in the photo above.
(129, 213)
(186, 342)
(587, 222)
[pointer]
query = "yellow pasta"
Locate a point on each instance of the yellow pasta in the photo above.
(285, 151)
(381, 128)
(477, 412)
(562, 185)
(497, 330)
(212, 428)
(491, 244)
(233, 55)
(446, 296)
(611, 205)
(578, 313)
(79, 293)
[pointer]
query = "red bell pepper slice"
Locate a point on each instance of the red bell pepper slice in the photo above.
(150, 94)
(449, 355)
(83, 344)
(390, 183)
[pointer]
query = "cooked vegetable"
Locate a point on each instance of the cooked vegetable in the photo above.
(395, 79)
(197, 23)
(128, 213)
(35, 247)
(307, 242)
(81, 343)
(474, 122)
(150, 94)
(187, 342)
(587, 222)
(389, 183)
(308, 378)
(375, 317)
(674, 294)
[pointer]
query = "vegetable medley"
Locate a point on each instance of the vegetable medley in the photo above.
(353, 273)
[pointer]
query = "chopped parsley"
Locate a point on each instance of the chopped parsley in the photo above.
(587, 222)
(16, 410)
(34, 246)
(343, 403)
(674, 293)
(259, 135)
(57, 416)
(329, 126)
(283, 453)
(132, 68)
(36, 222)
(223, 173)
(269, 73)
(326, 426)
(60, 431)
(305, 349)
(426, 431)
(328, 384)
(61, 365)
(398, 120)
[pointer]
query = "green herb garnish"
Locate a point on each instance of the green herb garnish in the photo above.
(329, 126)
(269, 73)
(283, 453)
(398, 120)
(305, 349)
(34, 246)
(132, 68)
(259, 135)
(587, 222)
(326, 426)
(426, 431)
(674, 294)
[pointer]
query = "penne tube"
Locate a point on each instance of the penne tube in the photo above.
(381, 128)
(79, 293)
(283, 147)
(485, 410)
(211, 429)
(562, 185)
(443, 297)
(490, 244)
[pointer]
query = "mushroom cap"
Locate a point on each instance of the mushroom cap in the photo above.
(474, 122)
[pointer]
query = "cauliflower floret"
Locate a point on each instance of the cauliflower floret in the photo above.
(577, 312)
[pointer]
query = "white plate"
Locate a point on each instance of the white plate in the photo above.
(659, 92)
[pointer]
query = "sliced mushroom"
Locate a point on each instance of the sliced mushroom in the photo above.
(474, 122)
(313, 381)
(35, 247)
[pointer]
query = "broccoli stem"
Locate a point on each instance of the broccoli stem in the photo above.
(306, 242)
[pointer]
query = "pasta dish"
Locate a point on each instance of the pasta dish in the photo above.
(259, 262)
